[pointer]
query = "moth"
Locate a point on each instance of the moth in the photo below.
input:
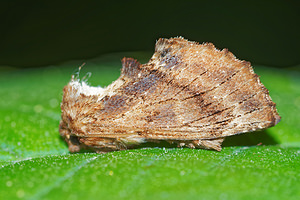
(188, 93)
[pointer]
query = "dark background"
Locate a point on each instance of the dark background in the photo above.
(39, 33)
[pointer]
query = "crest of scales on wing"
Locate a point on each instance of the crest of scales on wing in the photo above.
(188, 93)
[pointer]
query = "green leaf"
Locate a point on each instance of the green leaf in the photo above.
(35, 162)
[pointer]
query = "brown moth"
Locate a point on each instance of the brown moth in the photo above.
(188, 93)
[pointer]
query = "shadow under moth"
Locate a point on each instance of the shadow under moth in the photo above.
(188, 93)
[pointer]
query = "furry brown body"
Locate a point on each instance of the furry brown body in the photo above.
(188, 93)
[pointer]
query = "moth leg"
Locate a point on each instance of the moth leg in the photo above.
(72, 141)
(102, 145)
(207, 144)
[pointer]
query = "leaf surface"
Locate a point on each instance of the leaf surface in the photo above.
(35, 162)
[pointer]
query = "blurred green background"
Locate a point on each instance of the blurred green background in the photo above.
(43, 43)
(39, 33)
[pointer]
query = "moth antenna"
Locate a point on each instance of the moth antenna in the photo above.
(86, 77)
(76, 74)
